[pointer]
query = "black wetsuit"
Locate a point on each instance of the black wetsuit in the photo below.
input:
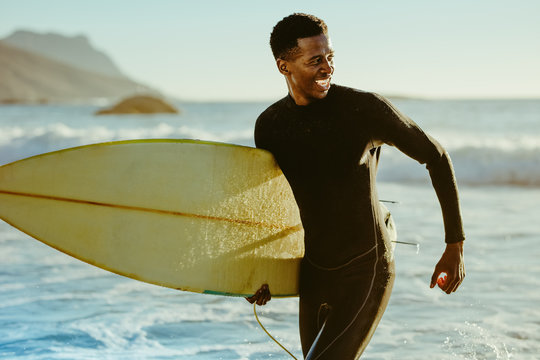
(329, 152)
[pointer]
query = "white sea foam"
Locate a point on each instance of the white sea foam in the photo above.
(17, 142)
(486, 160)
(473, 165)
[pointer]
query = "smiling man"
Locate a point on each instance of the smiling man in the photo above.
(308, 68)
(327, 140)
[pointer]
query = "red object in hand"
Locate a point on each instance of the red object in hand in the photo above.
(441, 279)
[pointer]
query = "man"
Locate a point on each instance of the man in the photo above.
(327, 140)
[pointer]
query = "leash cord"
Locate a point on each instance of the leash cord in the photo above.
(267, 333)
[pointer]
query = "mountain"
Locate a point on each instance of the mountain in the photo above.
(75, 51)
(29, 77)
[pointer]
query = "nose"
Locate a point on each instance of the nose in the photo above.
(328, 66)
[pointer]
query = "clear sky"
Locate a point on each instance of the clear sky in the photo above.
(218, 50)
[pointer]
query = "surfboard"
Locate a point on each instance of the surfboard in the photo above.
(189, 215)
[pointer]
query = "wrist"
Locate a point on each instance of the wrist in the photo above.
(454, 238)
(456, 246)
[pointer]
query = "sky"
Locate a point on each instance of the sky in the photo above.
(218, 50)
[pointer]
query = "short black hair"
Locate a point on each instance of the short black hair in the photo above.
(285, 35)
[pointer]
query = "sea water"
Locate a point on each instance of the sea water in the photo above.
(56, 307)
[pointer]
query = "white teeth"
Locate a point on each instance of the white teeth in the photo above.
(323, 83)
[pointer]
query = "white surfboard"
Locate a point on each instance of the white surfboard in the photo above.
(189, 215)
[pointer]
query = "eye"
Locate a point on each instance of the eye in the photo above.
(318, 60)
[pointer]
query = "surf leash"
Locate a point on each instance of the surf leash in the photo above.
(408, 243)
(267, 333)
(389, 201)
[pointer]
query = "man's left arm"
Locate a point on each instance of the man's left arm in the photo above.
(398, 130)
(451, 262)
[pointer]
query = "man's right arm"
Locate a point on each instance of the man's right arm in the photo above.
(262, 295)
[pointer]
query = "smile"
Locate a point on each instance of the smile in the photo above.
(324, 84)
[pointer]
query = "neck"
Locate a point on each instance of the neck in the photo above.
(298, 100)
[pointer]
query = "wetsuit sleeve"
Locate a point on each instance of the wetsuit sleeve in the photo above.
(261, 134)
(396, 129)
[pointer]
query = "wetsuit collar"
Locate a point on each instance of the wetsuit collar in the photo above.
(291, 104)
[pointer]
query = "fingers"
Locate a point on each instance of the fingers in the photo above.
(261, 297)
(452, 264)
(450, 288)
(457, 281)
(449, 283)
(434, 279)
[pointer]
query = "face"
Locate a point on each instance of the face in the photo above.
(309, 70)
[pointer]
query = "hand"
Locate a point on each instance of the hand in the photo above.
(452, 264)
(262, 296)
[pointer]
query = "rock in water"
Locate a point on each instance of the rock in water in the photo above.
(140, 105)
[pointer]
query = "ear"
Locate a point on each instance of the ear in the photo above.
(282, 66)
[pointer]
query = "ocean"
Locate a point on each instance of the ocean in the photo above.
(55, 307)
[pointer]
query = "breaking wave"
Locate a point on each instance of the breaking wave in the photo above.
(489, 160)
